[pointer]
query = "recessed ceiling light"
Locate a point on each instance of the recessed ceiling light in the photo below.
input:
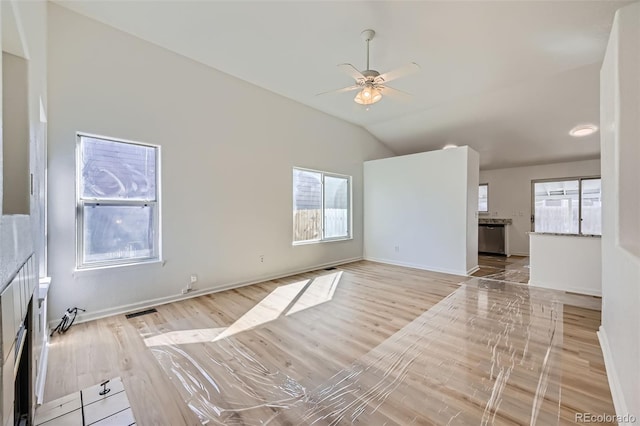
(449, 146)
(583, 130)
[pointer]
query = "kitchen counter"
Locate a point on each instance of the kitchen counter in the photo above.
(493, 221)
(566, 235)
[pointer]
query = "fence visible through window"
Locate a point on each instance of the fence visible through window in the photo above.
(321, 206)
(572, 206)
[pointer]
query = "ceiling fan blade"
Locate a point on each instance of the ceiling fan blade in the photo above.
(351, 71)
(344, 89)
(390, 91)
(397, 73)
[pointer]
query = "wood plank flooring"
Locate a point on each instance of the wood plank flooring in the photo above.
(366, 343)
(512, 268)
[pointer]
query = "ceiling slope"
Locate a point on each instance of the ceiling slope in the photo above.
(508, 78)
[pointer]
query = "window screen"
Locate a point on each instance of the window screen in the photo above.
(117, 202)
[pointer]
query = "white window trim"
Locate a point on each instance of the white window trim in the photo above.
(349, 208)
(533, 203)
(82, 202)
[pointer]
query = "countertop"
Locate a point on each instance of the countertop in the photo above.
(566, 235)
(494, 221)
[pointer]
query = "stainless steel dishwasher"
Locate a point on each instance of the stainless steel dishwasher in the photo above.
(491, 238)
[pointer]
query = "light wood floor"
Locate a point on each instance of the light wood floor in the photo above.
(512, 268)
(365, 343)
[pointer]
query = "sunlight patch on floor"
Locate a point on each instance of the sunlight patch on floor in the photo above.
(284, 300)
(183, 337)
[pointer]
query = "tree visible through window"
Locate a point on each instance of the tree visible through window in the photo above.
(321, 206)
(117, 202)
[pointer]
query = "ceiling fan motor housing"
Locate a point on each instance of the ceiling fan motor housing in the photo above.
(367, 35)
(370, 74)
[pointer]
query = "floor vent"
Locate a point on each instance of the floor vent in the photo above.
(330, 269)
(145, 312)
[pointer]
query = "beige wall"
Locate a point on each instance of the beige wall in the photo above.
(418, 211)
(620, 129)
(228, 149)
(15, 134)
(20, 235)
(510, 194)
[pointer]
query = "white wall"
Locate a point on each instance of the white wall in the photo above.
(20, 234)
(510, 194)
(33, 17)
(15, 135)
(420, 210)
(473, 170)
(228, 149)
(566, 263)
(620, 133)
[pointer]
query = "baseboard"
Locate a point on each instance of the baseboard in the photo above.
(473, 270)
(145, 304)
(417, 266)
(612, 375)
(519, 254)
(42, 372)
(567, 289)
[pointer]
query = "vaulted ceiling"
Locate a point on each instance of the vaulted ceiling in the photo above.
(508, 78)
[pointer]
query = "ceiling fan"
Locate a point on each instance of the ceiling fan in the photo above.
(370, 83)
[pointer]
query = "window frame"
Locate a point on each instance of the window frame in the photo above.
(349, 179)
(487, 210)
(579, 179)
(82, 202)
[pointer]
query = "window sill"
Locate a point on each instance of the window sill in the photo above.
(306, 243)
(121, 265)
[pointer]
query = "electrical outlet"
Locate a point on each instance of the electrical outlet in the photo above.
(192, 280)
(397, 249)
(262, 258)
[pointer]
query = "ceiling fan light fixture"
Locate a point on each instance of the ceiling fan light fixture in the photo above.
(369, 83)
(367, 96)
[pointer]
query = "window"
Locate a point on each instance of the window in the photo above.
(571, 206)
(483, 198)
(321, 206)
(117, 202)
